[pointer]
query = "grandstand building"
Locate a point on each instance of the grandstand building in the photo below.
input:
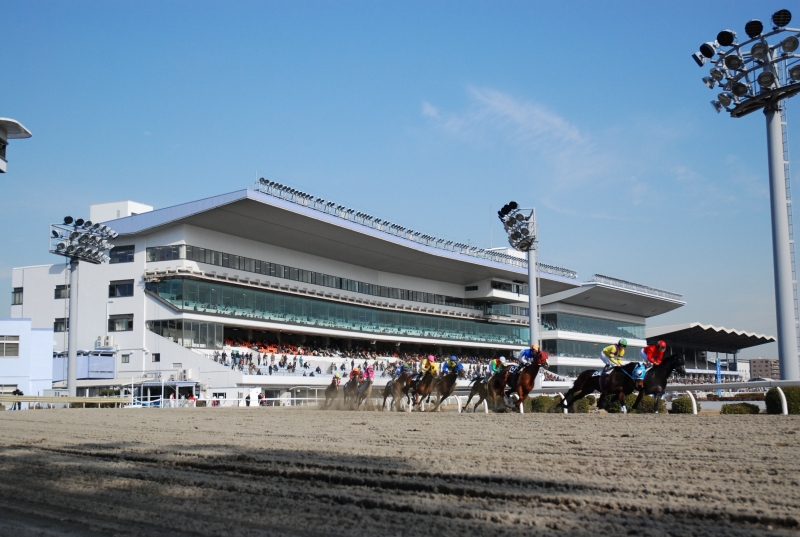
(271, 267)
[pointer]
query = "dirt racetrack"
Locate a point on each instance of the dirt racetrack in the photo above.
(274, 471)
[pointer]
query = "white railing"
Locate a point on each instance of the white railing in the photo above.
(644, 289)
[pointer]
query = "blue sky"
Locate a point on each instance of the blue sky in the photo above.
(429, 114)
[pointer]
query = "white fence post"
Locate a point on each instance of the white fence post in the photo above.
(566, 411)
(784, 406)
(485, 406)
(694, 403)
(458, 402)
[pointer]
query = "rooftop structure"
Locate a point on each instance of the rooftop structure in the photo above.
(10, 129)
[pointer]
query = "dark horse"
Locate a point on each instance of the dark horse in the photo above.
(655, 381)
(331, 392)
(521, 382)
(618, 381)
(387, 392)
(444, 388)
(478, 389)
(349, 390)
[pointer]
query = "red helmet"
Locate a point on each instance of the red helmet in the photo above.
(662, 344)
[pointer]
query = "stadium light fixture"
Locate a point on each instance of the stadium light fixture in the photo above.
(759, 74)
(78, 240)
(520, 224)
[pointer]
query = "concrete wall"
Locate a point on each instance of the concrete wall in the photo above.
(32, 370)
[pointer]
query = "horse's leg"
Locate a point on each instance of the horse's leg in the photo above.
(621, 397)
(639, 397)
(657, 399)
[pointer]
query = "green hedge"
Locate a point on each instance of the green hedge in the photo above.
(740, 408)
(581, 406)
(615, 408)
(683, 405)
(539, 404)
(773, 400)
(648, 402)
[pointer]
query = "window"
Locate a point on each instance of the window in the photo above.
(9, 346)
(120, 323)
(126, 358)
(16, 296)
(121, 254)
(156, 357)
(61, 325)
(120, 288)
(471, 288)
(62, 291)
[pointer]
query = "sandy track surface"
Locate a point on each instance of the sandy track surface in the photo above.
(279, 471)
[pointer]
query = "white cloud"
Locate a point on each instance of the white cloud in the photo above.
(428, 110)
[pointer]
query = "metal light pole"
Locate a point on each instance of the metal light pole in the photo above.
(759, 74)
(523, 236)
(78, 240)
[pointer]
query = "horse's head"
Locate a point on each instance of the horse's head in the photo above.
(680, 365)
(542, 359)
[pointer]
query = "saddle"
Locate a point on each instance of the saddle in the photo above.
(514, 370)
(597, 373)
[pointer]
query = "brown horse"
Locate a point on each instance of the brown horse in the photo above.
(497, 385)
(521, 382)
(331, 392)
(421, 388)
(400, 389)
(363, 393)
(478, 389)
(444, 388)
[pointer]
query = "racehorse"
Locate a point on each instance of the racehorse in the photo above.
(655, 381)
(444, 388)
(388, 390)
(422, 388)
(497, 385)
(400, 389)
(588, 382)
(621, 382)
(331, 392)
(349, 390)
(363, 392)
(521, 382)
(479, 389)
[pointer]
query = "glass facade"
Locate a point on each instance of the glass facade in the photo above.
(584, 349)
(519, 289)
(221, 259)
(591, 325)
(234, 301)
(200, 334)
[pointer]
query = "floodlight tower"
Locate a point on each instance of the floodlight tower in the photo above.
(758, 74)
(78, 240)
(520, 224)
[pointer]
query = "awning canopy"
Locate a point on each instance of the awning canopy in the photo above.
(705, 337)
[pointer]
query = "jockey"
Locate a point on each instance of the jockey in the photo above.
(429, 365)
(369, 373)
(337, 378)
(356, 372)
(452, 365)
(401, 367)
(612, 355)
(653, 354)
(526, 356)
(495, 366)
